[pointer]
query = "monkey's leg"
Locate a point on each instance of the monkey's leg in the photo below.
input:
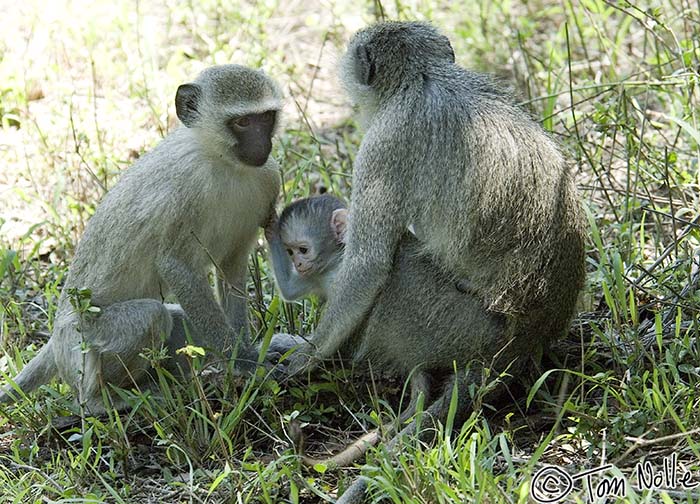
(420, 391)
(115, 339)
(234, 302)
(207, 316)
(438, 411)
(420, 387)
(182, 334)
(38, 371)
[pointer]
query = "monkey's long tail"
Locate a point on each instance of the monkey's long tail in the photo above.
(437, 411)
(37, 372)
(360, 446)
(350, 454)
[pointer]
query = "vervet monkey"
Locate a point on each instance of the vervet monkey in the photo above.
(306, 246)
(192, 204)
(486, 189)
(420, 324)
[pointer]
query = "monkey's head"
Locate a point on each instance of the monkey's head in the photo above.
(381, 57)
(313, 232)
(234, 111)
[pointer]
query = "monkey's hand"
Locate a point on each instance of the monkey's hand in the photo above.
(272, 227)
(285, 348)
(280, 345)
(304, 359)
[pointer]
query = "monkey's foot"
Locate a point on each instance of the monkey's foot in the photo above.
(301, 361)
(282, 343)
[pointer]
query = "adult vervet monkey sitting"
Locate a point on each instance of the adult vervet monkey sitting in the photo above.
(485, 188)
(192, 204)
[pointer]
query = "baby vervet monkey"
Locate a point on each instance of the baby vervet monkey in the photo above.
(306, 246)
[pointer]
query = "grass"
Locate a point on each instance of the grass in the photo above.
(85, 88)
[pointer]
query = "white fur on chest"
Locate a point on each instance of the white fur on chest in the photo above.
(233, 209)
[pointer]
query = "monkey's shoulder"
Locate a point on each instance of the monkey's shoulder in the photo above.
(164, 168)
(384, 145)
(180, 178)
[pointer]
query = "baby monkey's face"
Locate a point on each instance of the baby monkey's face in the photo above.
(314, 242)
(303, 255)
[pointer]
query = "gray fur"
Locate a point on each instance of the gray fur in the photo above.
(183, 208)
(307, 220)
(417, 325)
(485, 188)
(420, 320)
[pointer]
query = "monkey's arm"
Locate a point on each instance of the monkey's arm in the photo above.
(372, 237)
(196, 297)
(232, 293)
(291, 285)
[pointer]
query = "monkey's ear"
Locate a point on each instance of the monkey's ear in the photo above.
(451, 51)
(339, 224)
(187, 101)
(365, 68)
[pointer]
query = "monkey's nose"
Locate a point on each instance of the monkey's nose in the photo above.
(256, 151)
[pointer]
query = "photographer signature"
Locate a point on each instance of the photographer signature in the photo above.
(551, 484)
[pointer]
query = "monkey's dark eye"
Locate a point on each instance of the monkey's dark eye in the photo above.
(243, 122)
(303, 250)
(290, 252)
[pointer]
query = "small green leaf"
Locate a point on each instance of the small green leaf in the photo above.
(191, 351)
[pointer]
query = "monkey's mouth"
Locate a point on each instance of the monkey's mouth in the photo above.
(303, 271)
(255, 160)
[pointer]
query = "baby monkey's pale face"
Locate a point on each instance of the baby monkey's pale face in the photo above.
(303, 255)
(314, 242)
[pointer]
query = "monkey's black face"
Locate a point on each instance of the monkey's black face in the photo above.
(253, 134)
